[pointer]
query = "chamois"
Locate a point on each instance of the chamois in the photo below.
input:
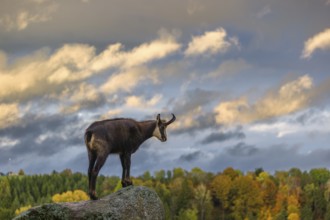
(121, 136)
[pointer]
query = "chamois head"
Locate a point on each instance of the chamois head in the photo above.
(160, 130)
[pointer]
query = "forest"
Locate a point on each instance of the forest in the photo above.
(194, 195)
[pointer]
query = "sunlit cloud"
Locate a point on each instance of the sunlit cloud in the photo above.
(140, 55)
(188, 120)
(39, 74)
(42, 72)
(127, 80)
(290, 97)
(319, 41)
(82, 96)
(141, 102)
(111, 113)
(9, 115)
(210, 42)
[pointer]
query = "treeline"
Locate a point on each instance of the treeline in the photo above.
(193, 195)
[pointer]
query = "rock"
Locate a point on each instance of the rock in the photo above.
(134, 202)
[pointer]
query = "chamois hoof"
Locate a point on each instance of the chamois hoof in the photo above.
(126, 183)
(93, 197)
(130, 183)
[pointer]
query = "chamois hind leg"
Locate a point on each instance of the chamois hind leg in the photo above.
(125, 160)
(92, 159)
(95, 171)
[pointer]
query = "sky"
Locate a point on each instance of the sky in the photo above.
(249, 82)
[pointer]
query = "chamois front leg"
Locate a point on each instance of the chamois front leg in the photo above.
(125, 160)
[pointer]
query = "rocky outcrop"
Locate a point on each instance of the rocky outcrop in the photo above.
(134, 202)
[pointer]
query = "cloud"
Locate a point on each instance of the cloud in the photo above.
(275, 157)
(190, 157)
(223, 136)
(9, 115)
(242, 149)
(6, 142)
(190, 108)
(229, 67)
(310, 122)
(290, 97)
(32, 12)
(70, 63)
(157, 49)
(111, 113)
(80, 97)
(43, 73)
(38, 74)
(141, 102)
(128, 79)
(42, 136)
(319, 41)
(211, 42)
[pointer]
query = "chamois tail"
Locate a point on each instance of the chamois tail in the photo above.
(88, 137)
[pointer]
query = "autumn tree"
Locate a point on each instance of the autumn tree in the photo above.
(247, 199)
(181, 195)
(221, 186)
(203, 202)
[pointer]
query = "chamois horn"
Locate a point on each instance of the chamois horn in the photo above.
(172, 120)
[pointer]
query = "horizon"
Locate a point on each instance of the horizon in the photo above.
(153, 174)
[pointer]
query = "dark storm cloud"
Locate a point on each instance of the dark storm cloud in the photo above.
(223, 136)
(190, 157)
(60, 133)
(33, 124)
(242, 149)
(276, 157)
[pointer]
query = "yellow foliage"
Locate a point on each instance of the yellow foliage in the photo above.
(293, 204)
(22, 209)
(69, 196)
(263, 176)
(265, 214)
(293, 216)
